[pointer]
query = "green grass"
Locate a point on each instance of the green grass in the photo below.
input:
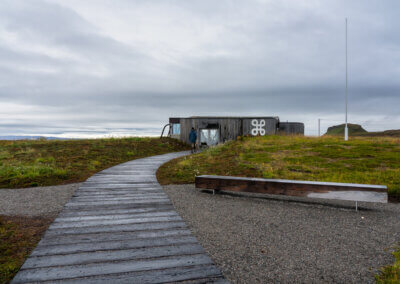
(366, 160)
(370, 160)
(354, 129)
(18, 237)
(39, 163)
(391, 273)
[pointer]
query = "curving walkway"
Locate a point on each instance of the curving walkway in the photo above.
(120, 226)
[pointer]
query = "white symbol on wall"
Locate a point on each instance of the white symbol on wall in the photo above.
(258, 127)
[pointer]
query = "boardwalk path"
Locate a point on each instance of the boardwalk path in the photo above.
(120, 227)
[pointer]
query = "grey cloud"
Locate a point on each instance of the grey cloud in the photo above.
(278, 58)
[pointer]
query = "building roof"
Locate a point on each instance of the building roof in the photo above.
(230, 117)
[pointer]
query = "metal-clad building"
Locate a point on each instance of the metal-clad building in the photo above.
(291, 128)
(212, 130)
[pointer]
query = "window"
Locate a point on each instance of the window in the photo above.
(176, 128)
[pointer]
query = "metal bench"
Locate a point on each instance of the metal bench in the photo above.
(326, 190)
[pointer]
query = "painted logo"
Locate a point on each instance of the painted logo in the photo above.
(258, 127)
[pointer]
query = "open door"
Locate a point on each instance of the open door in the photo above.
(209, 137)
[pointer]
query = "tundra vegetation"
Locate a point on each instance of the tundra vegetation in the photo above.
(18, 237)
(391, 273)
(30, 163)
(369, 160)
(360, 160)
(374, 160)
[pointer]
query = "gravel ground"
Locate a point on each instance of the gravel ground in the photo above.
(35, 201)
(283, 239)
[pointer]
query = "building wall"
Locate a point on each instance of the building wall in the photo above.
(259, 126)
(229, 128)
(291, 128)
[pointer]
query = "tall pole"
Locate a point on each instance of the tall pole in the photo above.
(319, 127)
(346, 130)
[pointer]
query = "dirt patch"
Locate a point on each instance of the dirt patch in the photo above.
(18, 237)
(25, 214)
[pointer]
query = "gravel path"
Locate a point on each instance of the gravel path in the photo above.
(284, 240)
(35, 201)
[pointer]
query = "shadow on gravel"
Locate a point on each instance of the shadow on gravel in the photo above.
(278, 198)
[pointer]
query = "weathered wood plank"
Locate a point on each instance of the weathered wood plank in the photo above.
(122, 194)
(93, 223)
(121, 200)
(104, 268)
(43, 249)
(112, 236)
(112, 255)
(119, 226)
(152, 202)
(198, 274)
(76, 213)
(115, 216)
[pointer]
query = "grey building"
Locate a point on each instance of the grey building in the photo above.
(212, 130)
(291, 128)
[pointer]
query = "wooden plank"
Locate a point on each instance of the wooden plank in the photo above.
(43, 249)
(112, 236)
(328, 190)
(92, 223)
(117, 228)
(117, 184)
(103, 268)
(115, 216)
(152, 202)
(112, 255)
(116, 200)
(120, 227)
(193, 274)
(75, 213)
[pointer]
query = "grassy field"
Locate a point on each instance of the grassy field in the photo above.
(50, 162)
(370, 160)
(391, 273)
(18, 237)
(357, 130)
(41, 163)
(37, 163)
(360, 160)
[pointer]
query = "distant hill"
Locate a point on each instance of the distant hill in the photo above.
(391, 133)
(17, 137)
(354, 129)
(358, 130)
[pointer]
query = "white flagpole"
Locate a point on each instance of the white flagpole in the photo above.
(346, 130)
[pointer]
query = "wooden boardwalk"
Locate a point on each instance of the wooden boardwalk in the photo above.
(120, 227)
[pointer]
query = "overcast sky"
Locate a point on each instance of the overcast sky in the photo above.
(76, 68)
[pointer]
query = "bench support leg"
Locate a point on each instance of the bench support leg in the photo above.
(356, 206)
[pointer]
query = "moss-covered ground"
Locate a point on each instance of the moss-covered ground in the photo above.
(41, 162)
(30, 163)
(369, 160)
(18, 237)
(366, 160)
